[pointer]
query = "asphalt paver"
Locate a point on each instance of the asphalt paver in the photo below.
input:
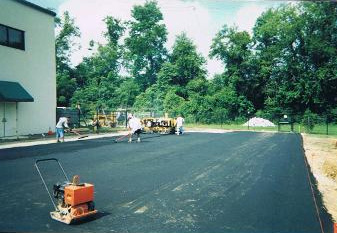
(198, 182)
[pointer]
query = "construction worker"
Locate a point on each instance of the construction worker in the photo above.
(135, 127)
(180, 121)
(61, 124)
(96, 125)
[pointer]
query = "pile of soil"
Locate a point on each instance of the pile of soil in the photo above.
(330, 169)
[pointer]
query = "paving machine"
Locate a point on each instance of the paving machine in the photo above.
(159, 125)
(72, 201)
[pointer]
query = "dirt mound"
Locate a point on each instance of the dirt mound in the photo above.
(330, 169)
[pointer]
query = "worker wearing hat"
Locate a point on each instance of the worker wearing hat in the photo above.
(135, 127)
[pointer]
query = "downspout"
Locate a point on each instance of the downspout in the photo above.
(16, 120)
(4, 120)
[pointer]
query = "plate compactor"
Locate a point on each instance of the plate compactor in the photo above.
(74, 200)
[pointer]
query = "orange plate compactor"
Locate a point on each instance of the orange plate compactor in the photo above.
(74, 200)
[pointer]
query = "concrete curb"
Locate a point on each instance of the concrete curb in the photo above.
(51, 141)
(72, 139)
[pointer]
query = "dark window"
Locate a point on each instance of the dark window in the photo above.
(3, 34)
(12, 37)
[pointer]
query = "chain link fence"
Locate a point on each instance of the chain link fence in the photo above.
(308, 123)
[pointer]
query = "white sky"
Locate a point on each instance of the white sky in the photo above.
(199, 19)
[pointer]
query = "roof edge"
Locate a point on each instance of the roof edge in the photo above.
(36, 7)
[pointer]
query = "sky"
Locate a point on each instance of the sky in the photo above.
(199, 19)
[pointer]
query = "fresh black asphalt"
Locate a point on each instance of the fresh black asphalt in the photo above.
(240, 182)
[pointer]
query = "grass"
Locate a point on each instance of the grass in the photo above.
(230, 127)
(319, 129)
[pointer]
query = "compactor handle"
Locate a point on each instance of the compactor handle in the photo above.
(52, 159)
(44, 183)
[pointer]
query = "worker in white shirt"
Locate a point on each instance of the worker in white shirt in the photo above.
(180, 121)
(135, 127)
(61, 124)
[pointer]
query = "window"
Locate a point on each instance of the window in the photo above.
(12, 37)
(3, 34)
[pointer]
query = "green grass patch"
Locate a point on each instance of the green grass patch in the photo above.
(319, 129)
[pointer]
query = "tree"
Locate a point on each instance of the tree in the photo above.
(145, 50)
(278, 40)
(115, 30)
(296, 52)
(150, 100)
(127, 92)
(187, 62)
(173, 103)
(234, 49)
(99, 75)
(320, 42)
(183, 66)
(64, 43)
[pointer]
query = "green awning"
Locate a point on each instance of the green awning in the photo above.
(13, 92)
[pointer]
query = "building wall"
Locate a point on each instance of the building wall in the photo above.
(34, 68)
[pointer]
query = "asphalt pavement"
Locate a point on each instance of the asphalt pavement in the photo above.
(198, 182)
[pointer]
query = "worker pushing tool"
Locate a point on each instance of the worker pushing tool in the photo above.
(61, 124)
(180, 121)
(135, 127)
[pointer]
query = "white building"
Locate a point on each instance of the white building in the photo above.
(27, 69)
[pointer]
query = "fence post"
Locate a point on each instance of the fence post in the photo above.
(79, 116)
(327, 125)
(126, 118)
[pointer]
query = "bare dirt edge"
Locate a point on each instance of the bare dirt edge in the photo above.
(321, 154)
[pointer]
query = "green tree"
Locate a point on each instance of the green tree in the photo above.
(234, 49)
(187, 63)
(127, 92)
(145, 50)
(115, 30)
(296, 52)
(150, 100)
(173, 104)
(64, 44)
(319, 49)
(98, 76)
(278, 39)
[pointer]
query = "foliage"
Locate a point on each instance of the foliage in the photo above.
(187, 63)
(145, 50)
(64, 43)
(288, 65)
(173, 104)
(99, 83)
